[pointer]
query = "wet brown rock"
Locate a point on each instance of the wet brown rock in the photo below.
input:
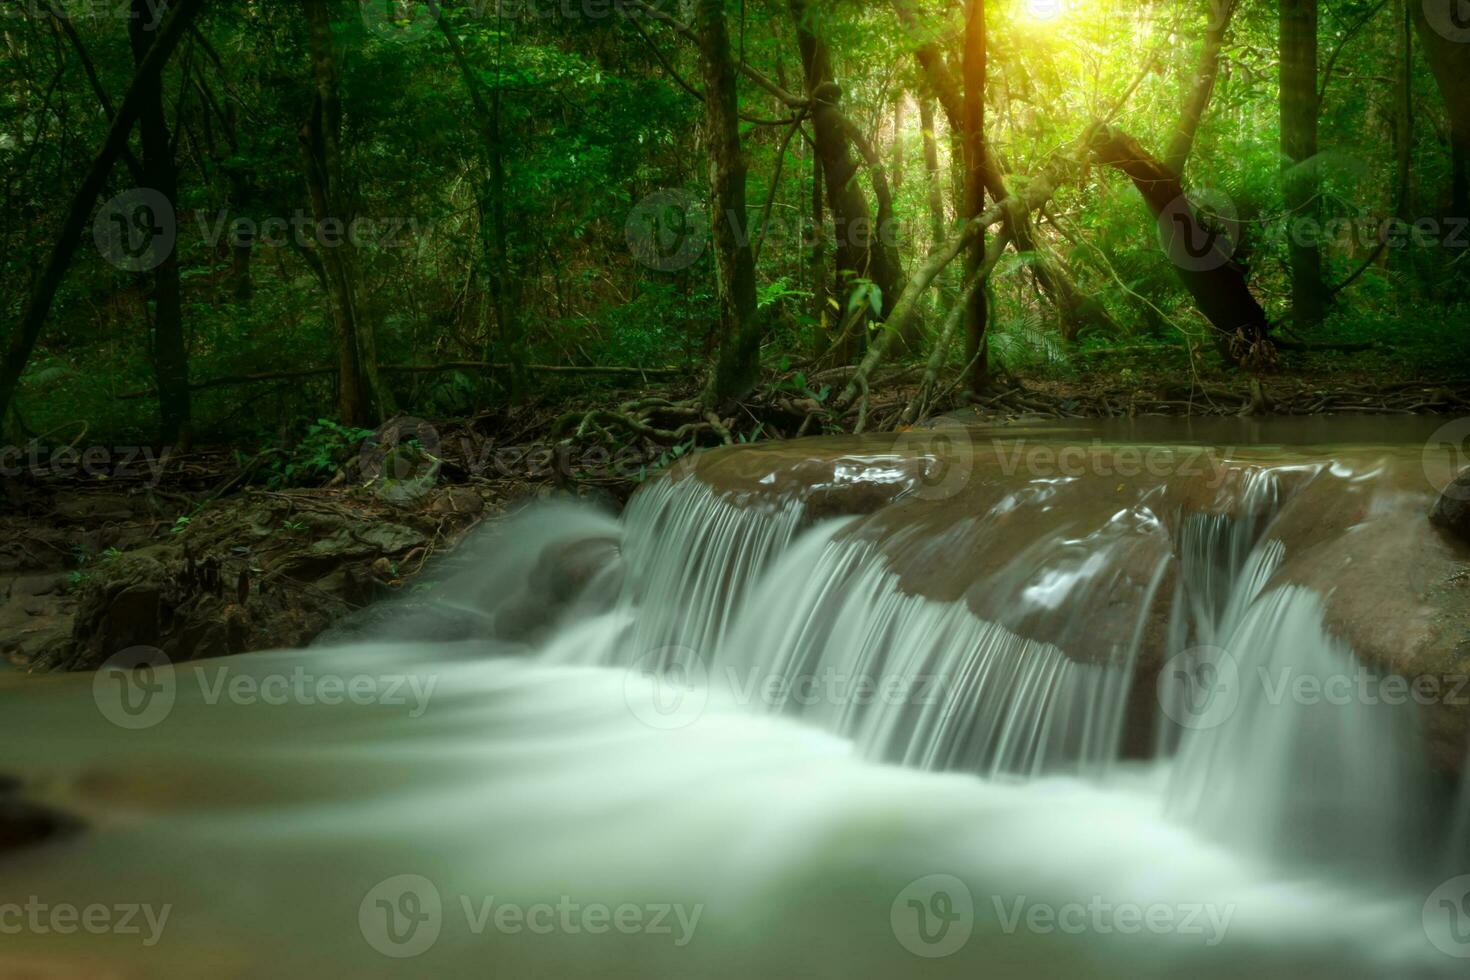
(1395, 587)
(1452, 510)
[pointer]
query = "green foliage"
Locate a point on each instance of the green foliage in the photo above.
(324, 449)
(590, 121)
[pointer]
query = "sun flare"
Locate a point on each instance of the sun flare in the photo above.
(1045, 10)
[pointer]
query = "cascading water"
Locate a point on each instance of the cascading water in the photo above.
(785, 727)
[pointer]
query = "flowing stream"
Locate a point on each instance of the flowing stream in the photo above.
(725, 736)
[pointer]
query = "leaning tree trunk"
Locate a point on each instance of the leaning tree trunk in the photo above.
(1201, 252)
(24, 334)
(737, 365)
(359, 397)
(170, 358)
(1299, 110)
(1221, 12)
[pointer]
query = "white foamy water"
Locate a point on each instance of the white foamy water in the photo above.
(755, 753)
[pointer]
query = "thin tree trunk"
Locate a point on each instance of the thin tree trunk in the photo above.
(24, 334)
(976, 165)
(493, 234)
(1221, 13)
(1404, 114)
(1299, 112)
(896, 168)
(938, 221)
(737, 364)
(359, 397)
(818, 262)
(170, 356)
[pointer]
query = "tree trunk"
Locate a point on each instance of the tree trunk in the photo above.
(863, 249)
(23, 336)
(938, 221)
(895, 170)
(737, 364)
(493, 232)
(976, 165)
(1077, 309)
(1201, 254)
(1299, 112)
(1221, 13)
(1444, 34)
(818, 262)
(359, 397)
(170, 358)
(1403, 134)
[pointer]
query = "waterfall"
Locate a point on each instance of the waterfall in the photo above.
(1082, 725)
(810, 620)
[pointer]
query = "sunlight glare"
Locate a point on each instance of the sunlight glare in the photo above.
(1045, 10)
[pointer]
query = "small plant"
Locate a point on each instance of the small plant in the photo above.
(325, 448)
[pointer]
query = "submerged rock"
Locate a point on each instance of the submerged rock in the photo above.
(1452, 509)
(26, 824)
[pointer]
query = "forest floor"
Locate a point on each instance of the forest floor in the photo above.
(200, 556)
